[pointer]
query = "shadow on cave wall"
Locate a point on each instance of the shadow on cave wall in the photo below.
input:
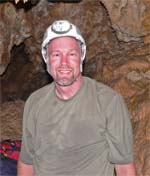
(20, 79)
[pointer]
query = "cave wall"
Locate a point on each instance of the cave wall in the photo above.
(117, 34)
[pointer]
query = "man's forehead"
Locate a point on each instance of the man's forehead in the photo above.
(64, 42)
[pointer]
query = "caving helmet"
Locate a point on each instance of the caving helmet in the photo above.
(62, 28)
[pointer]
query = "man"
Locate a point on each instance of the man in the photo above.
(75, 126)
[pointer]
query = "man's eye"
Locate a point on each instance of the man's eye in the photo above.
(73, 54)
(55, 54)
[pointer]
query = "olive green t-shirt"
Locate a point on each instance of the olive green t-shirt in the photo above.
(85, 135)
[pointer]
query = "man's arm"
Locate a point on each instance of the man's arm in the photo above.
(24, 169)
(125, 169)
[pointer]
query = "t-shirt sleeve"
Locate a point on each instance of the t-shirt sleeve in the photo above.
(26, 153)
(119, 132)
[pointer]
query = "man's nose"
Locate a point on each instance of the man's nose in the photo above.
(64, 59)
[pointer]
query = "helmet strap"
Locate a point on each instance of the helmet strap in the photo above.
(48, 68)
(81, 66)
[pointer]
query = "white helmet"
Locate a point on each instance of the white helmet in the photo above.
(62, 28)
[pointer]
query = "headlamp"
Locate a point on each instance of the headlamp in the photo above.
(61, 27)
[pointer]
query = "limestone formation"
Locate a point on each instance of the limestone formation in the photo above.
(130, 19)
(14, 29)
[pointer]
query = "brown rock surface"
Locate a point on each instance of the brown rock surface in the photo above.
(14, 28)
(130, 19)
(125, 66)
(11, 120)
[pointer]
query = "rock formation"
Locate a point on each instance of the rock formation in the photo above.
(117, 34)
(130, 19)
(11, 119)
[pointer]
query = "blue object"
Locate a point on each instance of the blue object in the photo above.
(8, 167)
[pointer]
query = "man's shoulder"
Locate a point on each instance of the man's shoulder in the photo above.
(101, 88)
(104, 93)
(40, 93)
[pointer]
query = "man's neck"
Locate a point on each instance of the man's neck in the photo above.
(66, 92)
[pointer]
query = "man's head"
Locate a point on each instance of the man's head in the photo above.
(58, 29)
(64, 55)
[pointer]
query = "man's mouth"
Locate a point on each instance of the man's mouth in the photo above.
(64, 71)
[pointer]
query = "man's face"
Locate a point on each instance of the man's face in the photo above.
(64, 58)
